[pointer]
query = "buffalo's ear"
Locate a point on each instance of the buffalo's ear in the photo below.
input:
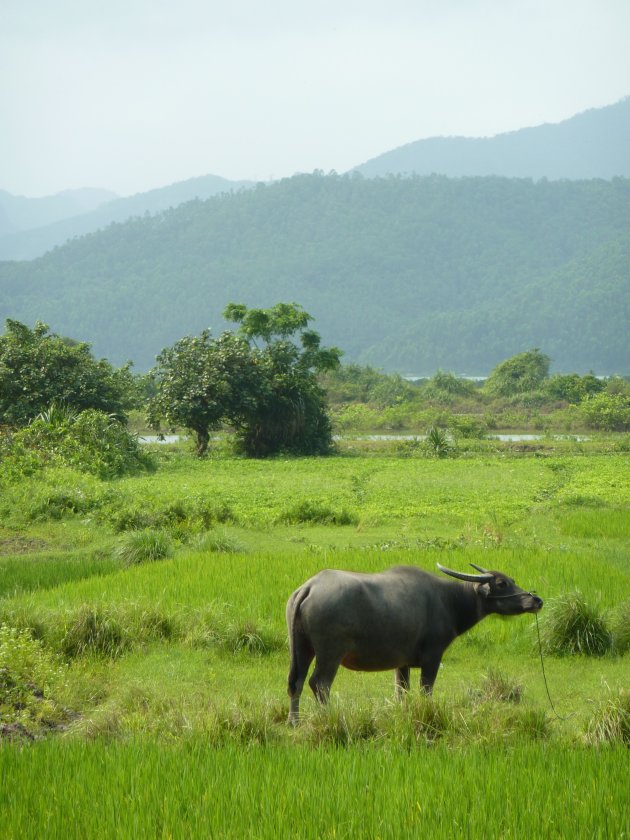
(483, 589)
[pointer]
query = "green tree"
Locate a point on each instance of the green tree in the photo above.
(39, 368)
(260, 380)
(289, 411)
(202, 382)
(519, 374)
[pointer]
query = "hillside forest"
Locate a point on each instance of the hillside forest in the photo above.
(404, 274)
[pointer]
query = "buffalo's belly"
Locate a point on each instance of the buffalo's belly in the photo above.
(358, 661)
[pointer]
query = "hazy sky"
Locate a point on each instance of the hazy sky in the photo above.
(135, 94)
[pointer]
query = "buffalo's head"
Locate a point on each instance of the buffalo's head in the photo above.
(500, 593)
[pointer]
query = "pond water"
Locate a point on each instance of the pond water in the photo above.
(503, 437)
(161, 438)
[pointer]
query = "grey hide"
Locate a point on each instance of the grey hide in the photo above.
(398, 619)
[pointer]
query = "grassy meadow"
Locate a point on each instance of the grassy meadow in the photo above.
(143, 653)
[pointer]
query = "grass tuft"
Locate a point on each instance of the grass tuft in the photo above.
(610, 723)
(621, 628)
(307, 511)
(497, 686)
(219, 542)
(143, 547)
(571, 626)
(97, 631)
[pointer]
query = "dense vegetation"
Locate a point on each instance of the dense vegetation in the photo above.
(404, 274)
(268, 394)
(520, 394)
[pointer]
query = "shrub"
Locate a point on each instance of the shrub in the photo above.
(143, 547)
(90, 441)
(29, 675)
(608, 412)
(438, 442)
(571, 626)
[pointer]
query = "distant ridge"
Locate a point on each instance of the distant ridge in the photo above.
(21, 244)
(593, 144)
(19, 213)
(409, 274)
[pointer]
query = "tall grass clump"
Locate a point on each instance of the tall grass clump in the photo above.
(317, 513)
(610, 723)
(218, 541)
(571, 626)
(144, 546)
(497, 686)
(621, 628)
(93, 630)
(418, 719)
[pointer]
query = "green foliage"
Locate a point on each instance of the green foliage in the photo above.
(88, 441)
(608, 412)
(143, 547)
(572, 387)
(268, 394)
(202, 382)
(533, 265)
(288, 412)
(444, 387)
(357, 383)
(39, 368)
(29, 675)
(571, 626)
(519, 374)
(438, 442)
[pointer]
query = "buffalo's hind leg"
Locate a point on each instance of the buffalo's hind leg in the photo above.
(326, 668)
(301, 658)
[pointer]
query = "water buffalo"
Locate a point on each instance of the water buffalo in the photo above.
(398, 619)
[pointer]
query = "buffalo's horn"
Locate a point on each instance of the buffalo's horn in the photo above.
(479, 569)
(485, 578)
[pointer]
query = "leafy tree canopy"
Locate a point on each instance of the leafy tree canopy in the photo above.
(268, 393)
(523, 372)
(39, 368)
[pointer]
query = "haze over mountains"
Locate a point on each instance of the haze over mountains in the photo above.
(34, 237)
(594, 144)
(405, 273)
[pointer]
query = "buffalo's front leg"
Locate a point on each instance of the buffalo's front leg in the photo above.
(428, 673)
(401, 681)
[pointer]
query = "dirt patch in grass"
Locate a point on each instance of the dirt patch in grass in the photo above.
(21, 545)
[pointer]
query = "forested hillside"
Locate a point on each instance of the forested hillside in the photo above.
(593, 144)
(407, 274)
(39, 233)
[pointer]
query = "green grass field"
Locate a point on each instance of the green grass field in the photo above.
(154, 701)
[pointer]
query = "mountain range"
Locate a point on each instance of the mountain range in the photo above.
(29, 227)
(405, 273)
(593, 144)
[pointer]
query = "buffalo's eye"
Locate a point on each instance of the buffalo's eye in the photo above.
(501, 584)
